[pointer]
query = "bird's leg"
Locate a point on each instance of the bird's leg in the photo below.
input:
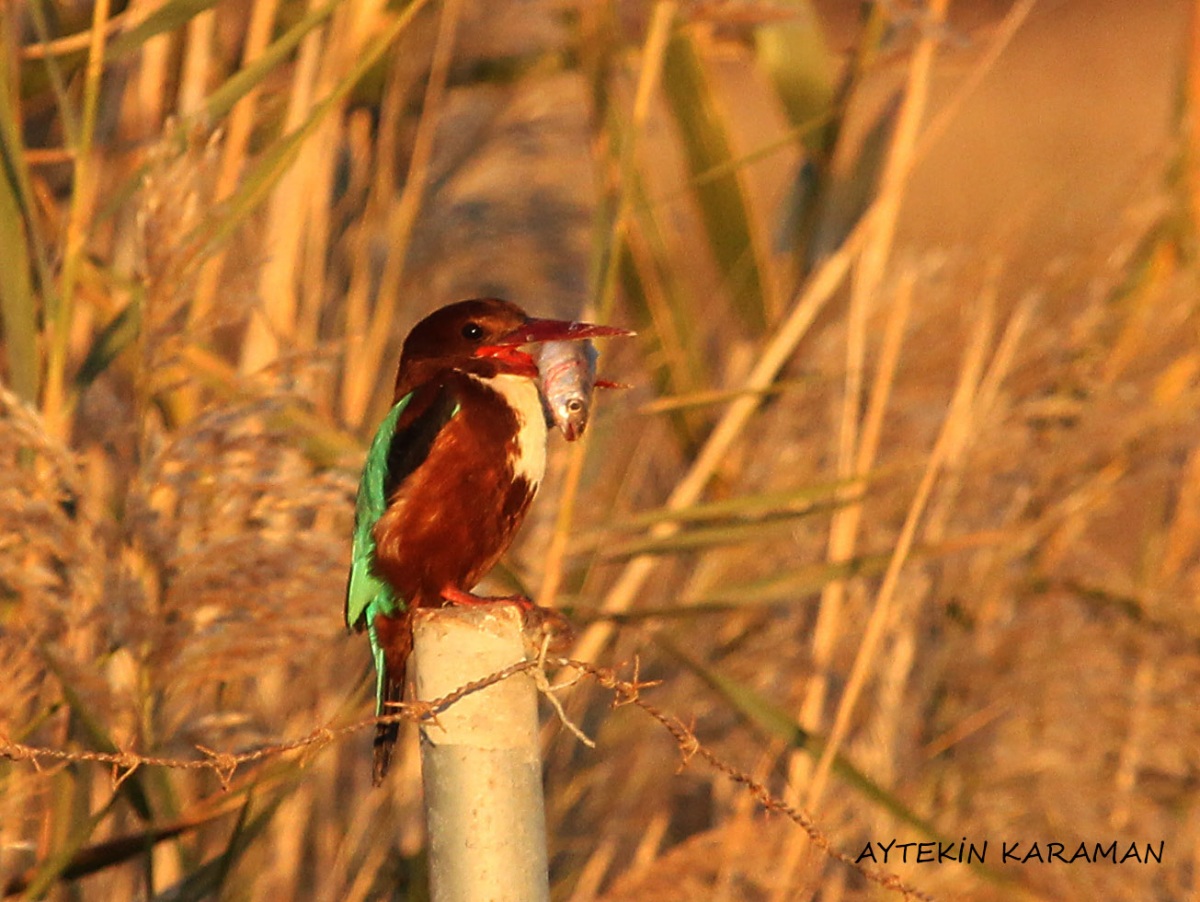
(454, 595)
(538, 620)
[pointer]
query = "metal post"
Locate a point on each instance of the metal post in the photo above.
(481, 762)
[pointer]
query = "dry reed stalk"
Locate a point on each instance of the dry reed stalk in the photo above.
(150, 93)
(362, 377)
(274, 322)
(1067, 520)
(687, 491)
(1003, 36)
(868, 276)
(1183, 534)
(658, 35)
(844, 528)
(318, 248)
(651, 842)
(885, 371)
(986, 403)
(237, 129)
(594, 870)
(56, 405)
(649, 73)
(842, 542)
(960, 409)
(899, 662)
(677, 360)
(379, 199)
(366, 874)
(349, 32)
(197, 63)
(288, 847)
(554, 559)
(740, 830)
(883, 757)
(1132, 750)
(1142, 323)
(82, 40)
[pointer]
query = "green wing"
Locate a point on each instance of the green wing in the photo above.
(392, 457)
(366, 594)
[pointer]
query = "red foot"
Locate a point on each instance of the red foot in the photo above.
(458, 596)
(538, 621)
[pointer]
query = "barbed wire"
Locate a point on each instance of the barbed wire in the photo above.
(625, 692)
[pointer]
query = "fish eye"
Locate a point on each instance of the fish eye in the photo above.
(472, 331)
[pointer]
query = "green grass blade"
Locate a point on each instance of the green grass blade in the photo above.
(775, 722)
(19, 249)
(208, 880)
(665, 307)
(803, 71)
(797, 583)
(749, 518)
(806, 580)
(848, 194)
(723, 203)
(712, 397)
(110, 342)
(270, 168)
(112, 852)
(218, 104)
(52, 869)
(668, 376)
(132, 788)
(18, 305)
(60, 309)
(701, 538)
(281, 777)
(826, 197)
(764, 504)
(172, 15)
(778, 724)
(323, 442)
(55, 76)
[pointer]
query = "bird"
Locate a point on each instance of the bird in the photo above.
(448, 478)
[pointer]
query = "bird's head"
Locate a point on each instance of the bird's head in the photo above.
(483, 336)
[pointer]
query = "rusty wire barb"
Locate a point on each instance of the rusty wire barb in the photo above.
(625, 692)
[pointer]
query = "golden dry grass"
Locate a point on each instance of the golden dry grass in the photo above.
(934, 560)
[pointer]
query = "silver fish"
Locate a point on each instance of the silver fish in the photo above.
(567, 375)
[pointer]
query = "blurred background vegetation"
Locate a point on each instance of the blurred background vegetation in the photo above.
(903, 507)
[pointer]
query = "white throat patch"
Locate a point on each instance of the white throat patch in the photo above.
(522, 394)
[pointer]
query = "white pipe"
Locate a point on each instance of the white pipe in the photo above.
(480, 762)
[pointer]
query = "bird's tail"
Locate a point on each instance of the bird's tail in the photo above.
(396, 645)
(386, 734)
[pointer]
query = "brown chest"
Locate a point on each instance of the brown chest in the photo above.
(453, 517)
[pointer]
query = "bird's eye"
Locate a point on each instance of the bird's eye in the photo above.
(472, 331)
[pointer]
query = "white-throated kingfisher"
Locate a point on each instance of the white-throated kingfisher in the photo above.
(449, 476)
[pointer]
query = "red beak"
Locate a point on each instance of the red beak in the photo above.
(535, 330)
